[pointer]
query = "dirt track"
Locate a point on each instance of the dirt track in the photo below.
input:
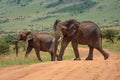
(98, 69)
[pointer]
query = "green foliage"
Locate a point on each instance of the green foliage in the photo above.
(4, 20)
(110, 34)
(60, 1)
(24, 2)
(111, 46)
(81, 7)
(4, 47)
(5, 43)
(53, 4)
(118, 37)
(9, 39)
(15, 18)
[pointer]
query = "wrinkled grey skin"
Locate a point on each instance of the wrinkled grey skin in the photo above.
(85, 33)
(40, 42)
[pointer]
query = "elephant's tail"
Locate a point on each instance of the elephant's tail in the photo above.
(100, 32)
(101, 39)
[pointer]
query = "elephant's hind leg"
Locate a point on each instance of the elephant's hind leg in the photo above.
(90, 55)
(106, 55)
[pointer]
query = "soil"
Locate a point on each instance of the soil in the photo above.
(97, 69)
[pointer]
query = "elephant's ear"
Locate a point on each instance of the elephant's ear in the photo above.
(72, 29)
(29, 36)
(55, 24)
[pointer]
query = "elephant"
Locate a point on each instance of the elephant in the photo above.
(84, 33)
(38, 41)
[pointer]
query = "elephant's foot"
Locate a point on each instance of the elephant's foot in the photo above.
(89, 58)
(59, 59)
(52, 59)
(106, 56)
(77, 59)
(40, 60)
(26, 55)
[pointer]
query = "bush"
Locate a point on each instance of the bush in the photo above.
(9, 39)
(4, 47)
(118, 37)
(110, 34)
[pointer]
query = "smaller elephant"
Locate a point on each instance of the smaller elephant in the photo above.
(38, 41)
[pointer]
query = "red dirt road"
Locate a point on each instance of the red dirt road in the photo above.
(98, 69)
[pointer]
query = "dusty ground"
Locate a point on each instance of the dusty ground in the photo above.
(98, 69)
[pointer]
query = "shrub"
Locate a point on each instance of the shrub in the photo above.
(9, 39)
(4, 47)
(118, 37)
(110, 34)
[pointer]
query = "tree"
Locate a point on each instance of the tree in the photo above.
(110, 34)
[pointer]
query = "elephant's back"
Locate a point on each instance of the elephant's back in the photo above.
(88, 32)
(89, 26)
(45, 37)
(45, 41)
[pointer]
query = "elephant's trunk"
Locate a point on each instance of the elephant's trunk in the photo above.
(56, 44)
(56, 47)
(16, 44)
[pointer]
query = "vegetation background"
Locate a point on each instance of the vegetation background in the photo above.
(39, 16)
(17, 15)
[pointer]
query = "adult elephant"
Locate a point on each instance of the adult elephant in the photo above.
(85, 33)
(38, 41)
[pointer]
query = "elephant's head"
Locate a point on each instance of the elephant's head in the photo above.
(67, 28)
(24, 36)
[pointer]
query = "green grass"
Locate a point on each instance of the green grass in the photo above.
(112, 46)
(11, 59)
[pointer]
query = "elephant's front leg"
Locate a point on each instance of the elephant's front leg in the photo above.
(64, 44)
(38, 53)
(52, 56)
(29, 48)
(75, 48)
